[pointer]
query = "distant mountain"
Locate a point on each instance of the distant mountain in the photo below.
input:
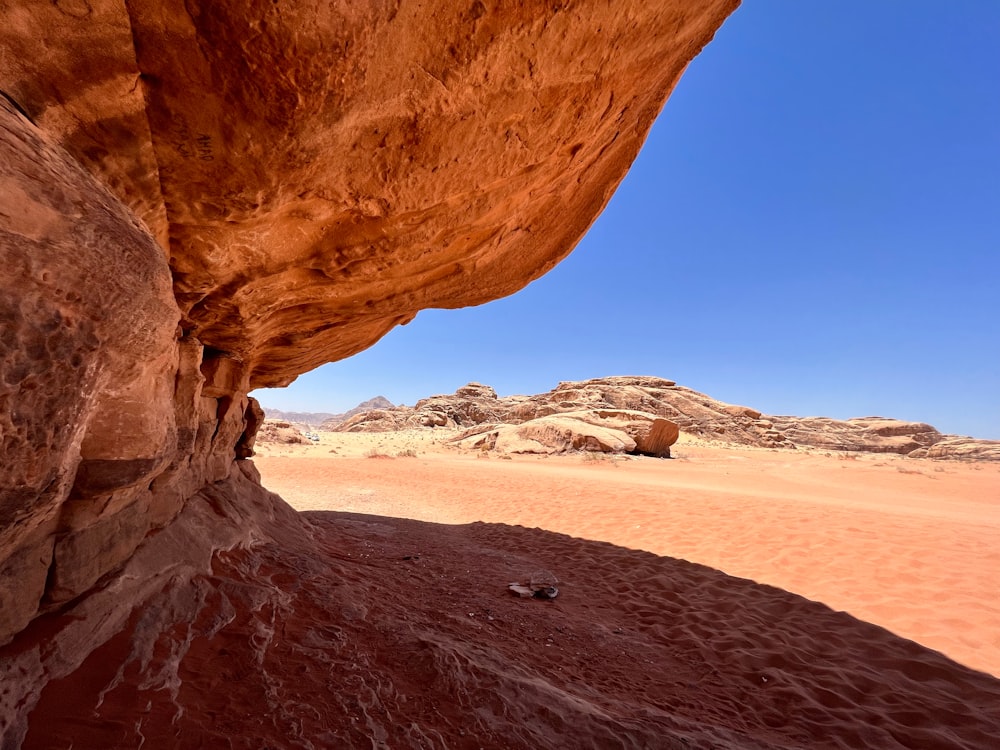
(379, 402)
(298, 417)
(326, 419)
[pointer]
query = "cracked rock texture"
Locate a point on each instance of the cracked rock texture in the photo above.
(201, 198)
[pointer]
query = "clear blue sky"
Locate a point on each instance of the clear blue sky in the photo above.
(812, 228)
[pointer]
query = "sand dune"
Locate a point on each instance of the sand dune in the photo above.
(908, 544)
(361, 628)
(376, 632)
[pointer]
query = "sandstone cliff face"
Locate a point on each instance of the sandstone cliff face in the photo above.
(200, 198)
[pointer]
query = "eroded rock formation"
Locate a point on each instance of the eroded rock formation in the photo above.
(280, 432)
(597, 431)
(201, 198)
(494, 422)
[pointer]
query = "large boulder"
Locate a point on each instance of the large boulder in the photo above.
(547, 435)
(280, 432)
(652, 435)
(599, 431)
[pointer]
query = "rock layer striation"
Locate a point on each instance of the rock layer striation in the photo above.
(665, 409)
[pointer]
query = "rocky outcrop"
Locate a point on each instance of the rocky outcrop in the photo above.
(326, 420)
(312, 418)
(471, 404)
(868, 434)
(379, 402)
(280, 432)
(490, 420)
(601, 431)
(156, 588)
(111, 415)
(961, 448)
(688, 410)
(204, 198)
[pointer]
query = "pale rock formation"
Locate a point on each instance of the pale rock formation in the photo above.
(477, 390)
(312, 418)
(332, 420)
(600, 431)
(470, 405)
(656, 439)
(679, 409)
(869, 434)
(961, 448)
(280, 432)
(676, 405)
(555, 434)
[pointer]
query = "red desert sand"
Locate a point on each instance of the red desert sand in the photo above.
(911, 545)
(389, 624)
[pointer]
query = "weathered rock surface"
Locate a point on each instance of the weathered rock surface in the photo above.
(280, 432)
(327, 420)
(156, 588)
(88, 362)
(869, 434)
(685, 409)
(378, 402)
(320, 173)
(599, 431)
(110, 414)
(961, 448)
(201, 198)
(555, 434)
(677, 409)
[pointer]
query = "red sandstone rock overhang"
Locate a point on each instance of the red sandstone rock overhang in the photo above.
(317, 174)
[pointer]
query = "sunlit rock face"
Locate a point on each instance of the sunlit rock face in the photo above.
(201, 198)
(318, 173)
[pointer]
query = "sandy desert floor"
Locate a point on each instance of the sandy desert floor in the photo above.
(380, 617)
(911, 545)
